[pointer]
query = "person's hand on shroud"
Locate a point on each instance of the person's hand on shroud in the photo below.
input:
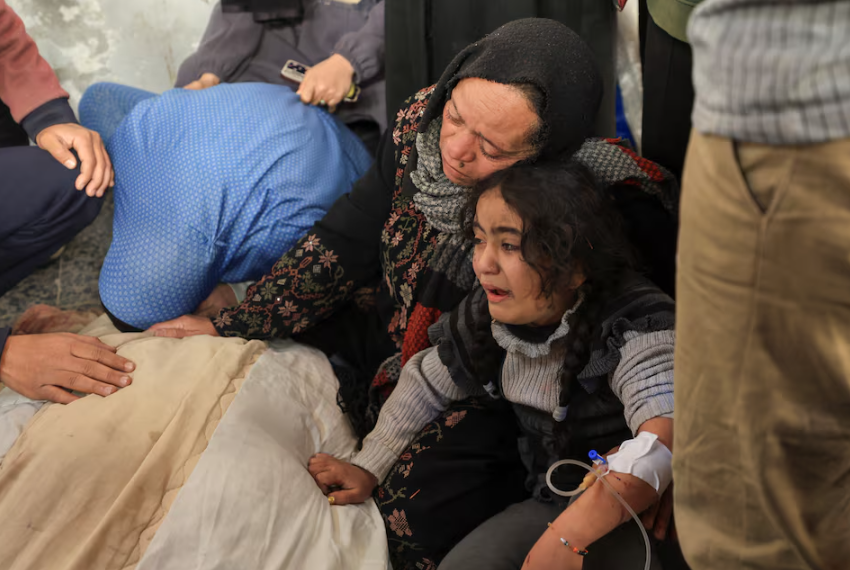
(181, 327)
(355, 484)
(48, 366)
(327, 83)
(203, 82)
(96, 173)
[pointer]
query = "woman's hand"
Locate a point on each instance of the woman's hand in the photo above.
(327, 83)
(356, 484)
(181, 327)
(203, 82)
(221, 297)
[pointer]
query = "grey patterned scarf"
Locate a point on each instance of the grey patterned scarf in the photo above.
(440, 199)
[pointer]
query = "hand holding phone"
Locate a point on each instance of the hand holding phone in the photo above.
(328, 83)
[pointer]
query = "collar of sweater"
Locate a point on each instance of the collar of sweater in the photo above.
(512, 343)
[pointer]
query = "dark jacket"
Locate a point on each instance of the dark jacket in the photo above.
(239, 49)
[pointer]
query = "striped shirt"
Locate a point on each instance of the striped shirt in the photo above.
(772, 71)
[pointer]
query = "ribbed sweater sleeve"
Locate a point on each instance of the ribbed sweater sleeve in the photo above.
(643, 380)
(425, 389)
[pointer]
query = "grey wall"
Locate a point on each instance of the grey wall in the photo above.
(134, 42)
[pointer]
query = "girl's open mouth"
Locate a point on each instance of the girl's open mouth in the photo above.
(495, 295)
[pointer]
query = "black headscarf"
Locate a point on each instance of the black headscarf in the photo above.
(546, 54)
(266, 10)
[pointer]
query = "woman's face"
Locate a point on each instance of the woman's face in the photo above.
(513, 288)
(486, 128)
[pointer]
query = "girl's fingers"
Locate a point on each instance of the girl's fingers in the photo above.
(347, 497)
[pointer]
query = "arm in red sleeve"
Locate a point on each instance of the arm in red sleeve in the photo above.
(26, 80)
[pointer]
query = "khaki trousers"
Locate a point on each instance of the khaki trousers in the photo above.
(762, 445)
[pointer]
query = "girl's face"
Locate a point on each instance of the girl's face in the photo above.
(485, 129)
(513, 288)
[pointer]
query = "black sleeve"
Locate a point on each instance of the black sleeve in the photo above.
(229, 41)
(54, 112)
(652, 230)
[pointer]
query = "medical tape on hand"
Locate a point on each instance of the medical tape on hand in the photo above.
(646, 458)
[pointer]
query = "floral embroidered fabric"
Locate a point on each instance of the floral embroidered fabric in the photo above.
(311, 280)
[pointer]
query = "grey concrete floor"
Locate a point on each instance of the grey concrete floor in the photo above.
(70, 282)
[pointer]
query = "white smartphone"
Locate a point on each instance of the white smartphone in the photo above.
(295, 71)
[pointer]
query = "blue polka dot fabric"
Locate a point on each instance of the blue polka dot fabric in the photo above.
(214, 186)
(104, 105)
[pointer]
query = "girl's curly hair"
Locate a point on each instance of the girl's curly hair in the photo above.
(568, 225)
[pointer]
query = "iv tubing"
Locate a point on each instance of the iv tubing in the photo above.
(611, 489)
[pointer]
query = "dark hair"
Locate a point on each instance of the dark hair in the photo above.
(568, 225)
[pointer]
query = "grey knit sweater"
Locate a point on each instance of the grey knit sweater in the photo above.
(642, 380)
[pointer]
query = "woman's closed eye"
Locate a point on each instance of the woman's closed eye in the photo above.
(510, 247)
(481, 141)
(487, 155)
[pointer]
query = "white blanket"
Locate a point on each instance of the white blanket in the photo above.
(250, 502)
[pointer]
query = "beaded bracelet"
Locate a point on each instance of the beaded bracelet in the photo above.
(573, 548)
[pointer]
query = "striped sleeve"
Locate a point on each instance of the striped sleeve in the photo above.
(425, 389)
(643, 380)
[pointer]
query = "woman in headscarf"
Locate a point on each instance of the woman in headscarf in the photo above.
(369, 278)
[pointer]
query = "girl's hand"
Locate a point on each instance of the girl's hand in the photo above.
(327, 83)
(356, 484)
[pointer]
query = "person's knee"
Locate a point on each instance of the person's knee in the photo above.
(89, 208)
(621, 548)
(70, 207)
(503, 541)
(40, 196)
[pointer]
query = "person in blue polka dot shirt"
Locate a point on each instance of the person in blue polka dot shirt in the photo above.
(210, 187)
